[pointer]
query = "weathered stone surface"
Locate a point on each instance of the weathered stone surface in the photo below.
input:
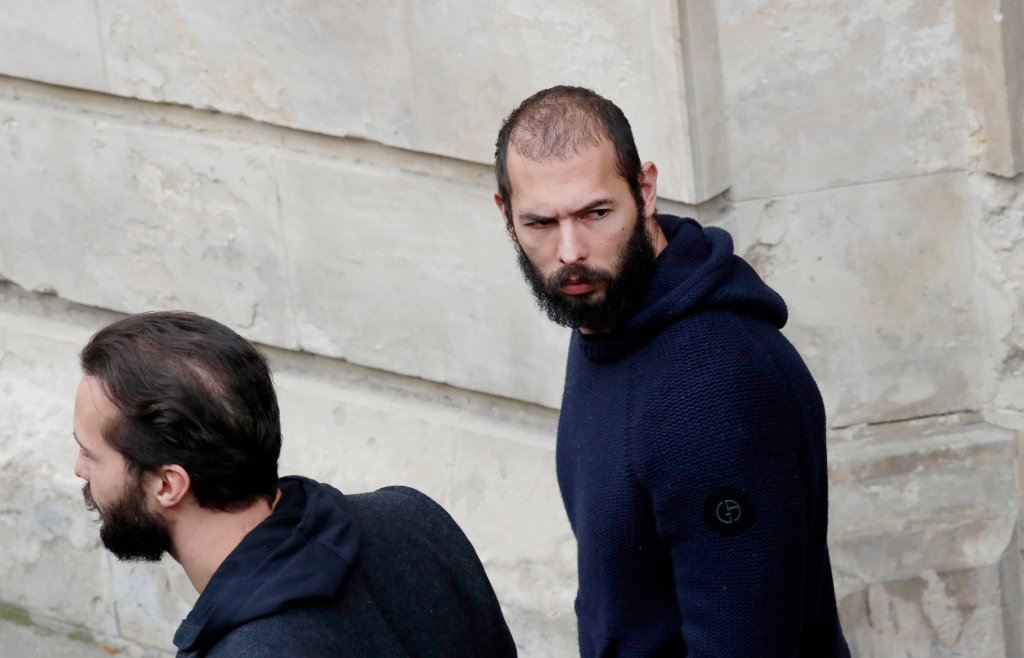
(133, 218)
(924, 522)
(358, 69)
(878, 279)
(902, 505)
(415, 277)
(950, 614)
(373, 264)
(151, 600)
(823, 94)
(51, 547)
(991, 36)
(35, 641)
(999, 253)
(690, 70)
(56, 42)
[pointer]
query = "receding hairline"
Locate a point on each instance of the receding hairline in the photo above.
(556, 128)
(203, 372)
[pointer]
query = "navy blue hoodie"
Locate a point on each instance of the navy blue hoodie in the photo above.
(691, 460)
(381, 574)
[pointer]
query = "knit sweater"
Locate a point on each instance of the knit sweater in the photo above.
(691, 461)
(386, 574)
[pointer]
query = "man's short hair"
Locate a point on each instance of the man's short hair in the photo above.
(190, 392)
(559, 123)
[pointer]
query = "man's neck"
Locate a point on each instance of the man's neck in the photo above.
(204, 538)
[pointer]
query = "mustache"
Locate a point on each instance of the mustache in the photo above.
(90, 502)
(578, 273)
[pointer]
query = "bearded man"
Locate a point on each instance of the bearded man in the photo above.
(691, 441)
(179, 434)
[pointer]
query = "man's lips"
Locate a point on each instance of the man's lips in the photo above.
(578, 288)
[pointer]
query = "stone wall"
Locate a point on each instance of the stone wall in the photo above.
(317, 176)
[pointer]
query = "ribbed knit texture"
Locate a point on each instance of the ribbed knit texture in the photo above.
(698, 399)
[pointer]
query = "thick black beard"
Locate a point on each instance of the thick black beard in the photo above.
(129, 530)
(622, 295)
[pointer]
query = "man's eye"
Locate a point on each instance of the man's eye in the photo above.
(539, 223)
(598, 213)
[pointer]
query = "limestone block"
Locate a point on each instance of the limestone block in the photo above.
(942, 500)
(998, 229)
(132, 217)
(506, 495)
(955, 614)
(359, 441)
(923, 536)
(415, 276)
(431, 77)
(151, 600)
(823, 94)
(542, 636)
(690, 70)
(878, 280)
(50, 563)
(855, 618)
(991, 37)
(57, 42)
(370, 263)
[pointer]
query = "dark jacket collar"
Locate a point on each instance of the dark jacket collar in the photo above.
(697, 269)
(300, 553)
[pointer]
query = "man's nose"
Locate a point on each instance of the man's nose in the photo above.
(571, 247)
(80, 470)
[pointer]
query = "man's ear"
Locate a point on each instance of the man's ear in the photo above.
(649, 188)
(506, 214)
(169, 485)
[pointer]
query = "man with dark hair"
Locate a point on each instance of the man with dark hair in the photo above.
(178, 427)
(691, 441)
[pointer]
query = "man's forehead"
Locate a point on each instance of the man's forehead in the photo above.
(91, 393)
(587, 173)
(92, 406)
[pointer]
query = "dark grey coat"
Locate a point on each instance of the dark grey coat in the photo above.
(379, 574)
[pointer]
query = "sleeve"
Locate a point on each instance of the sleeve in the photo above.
(725, 465)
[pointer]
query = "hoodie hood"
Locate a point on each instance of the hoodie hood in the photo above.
(302, 552)
(697, 270)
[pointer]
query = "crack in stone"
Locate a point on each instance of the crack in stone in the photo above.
(907, 419)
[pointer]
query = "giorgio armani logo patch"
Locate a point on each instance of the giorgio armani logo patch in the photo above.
(728, 511)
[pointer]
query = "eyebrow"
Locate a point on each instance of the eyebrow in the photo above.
(596, 203)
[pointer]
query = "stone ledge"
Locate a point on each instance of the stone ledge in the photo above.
(335, 71)
(289, 247)
(924, 538)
